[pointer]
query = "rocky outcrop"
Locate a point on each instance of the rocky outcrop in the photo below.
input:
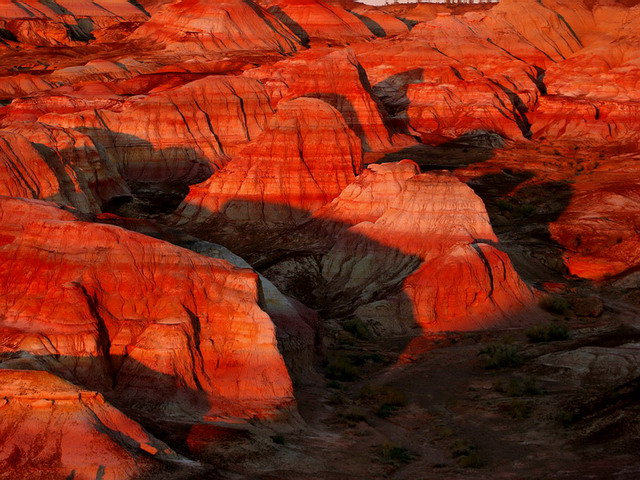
(223, 26)
(54, 429)
(287, 173)
(146, 323)
(592, 93)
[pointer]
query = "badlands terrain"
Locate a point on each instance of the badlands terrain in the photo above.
(314, 239)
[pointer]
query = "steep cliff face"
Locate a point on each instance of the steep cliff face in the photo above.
(229, 25)
(288, 172)
(53, 429)
(151, 324)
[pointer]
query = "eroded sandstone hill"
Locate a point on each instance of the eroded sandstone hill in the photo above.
(272, 239)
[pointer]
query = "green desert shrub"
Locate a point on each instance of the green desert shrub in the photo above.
(553, 304)
(519, 409)
(467, 454)
(518, 387)
(395, 454)
(502, 355)
(357, 328)
(342, 369)
(548, 333)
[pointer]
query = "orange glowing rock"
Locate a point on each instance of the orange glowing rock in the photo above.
(447, 77)
(593, 92)
(65, 167)
(52, 428)
(320, 21)
(425, 235)
(380, 23)
(288, 172)
(339, 80)
(145, 322)
(222, 26)
(66, 22)
(22, 84)
(599, 227)
(180, 134)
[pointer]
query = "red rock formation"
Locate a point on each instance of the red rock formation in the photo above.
(319, 21)
(53, 429)
(222, 26)
(145, 322)
(454, 78)
(599, 227)
(460, 100)
(24, 172)
(36, 23)
(395, 229)
(22, 84)
(530, 23)
(593, 92)
(181, 134)
(65, 167)
(288, 172)
(101, 71)
(339, 80)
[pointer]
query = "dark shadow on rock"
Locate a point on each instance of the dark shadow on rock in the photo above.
(392, 91)
(139, 6)
(295, 27)
(408, 22)
(475, 147)
(260, 13)
(349, 113)
(521, 220)
(372, 25)
(158, 178)
(143, 402)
